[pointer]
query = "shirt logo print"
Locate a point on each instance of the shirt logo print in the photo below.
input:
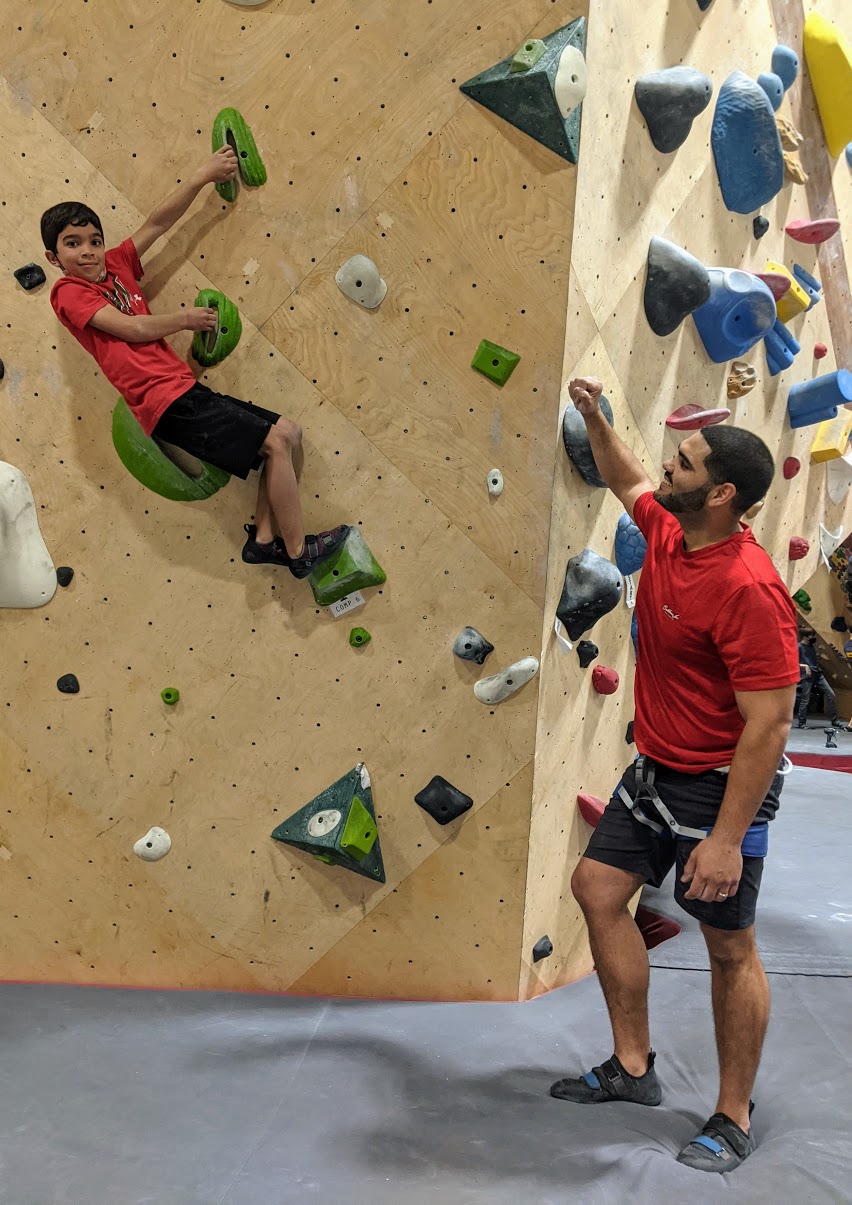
(120, 297)
(670, 613)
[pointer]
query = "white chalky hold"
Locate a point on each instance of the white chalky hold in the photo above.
(27, 574)
(365, 776)
(359, 279)
(570, 84)
(325, 822)
(495, 483)
(154, 845)
(498, 687)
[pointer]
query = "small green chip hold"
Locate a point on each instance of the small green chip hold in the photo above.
(527, 55)
(359, 637)
(170, 695)
(359, 832)
(494, 361)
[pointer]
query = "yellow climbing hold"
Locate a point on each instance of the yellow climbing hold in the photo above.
(829, 58)
(795, 300)
(832, 437)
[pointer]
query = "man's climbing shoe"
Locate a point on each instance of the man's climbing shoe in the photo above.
(611, 1082)
(273, 553)
(316, 549)
(720, 1147)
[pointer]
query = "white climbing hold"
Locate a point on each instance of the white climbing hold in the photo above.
(28, 576)
(325, 822)
(494, 480)
(154, 845)
(838, 477)
(829, 541)
(499, 686)
(571, 82)
(359, 279)
(365, 776)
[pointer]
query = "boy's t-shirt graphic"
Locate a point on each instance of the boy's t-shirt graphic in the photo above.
(149, 376)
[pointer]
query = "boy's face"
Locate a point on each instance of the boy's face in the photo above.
(80, 252)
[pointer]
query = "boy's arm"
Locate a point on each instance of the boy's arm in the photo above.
(219, 167)
(146, 328)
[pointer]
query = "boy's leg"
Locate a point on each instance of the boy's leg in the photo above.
(282, 447)
(263, 516)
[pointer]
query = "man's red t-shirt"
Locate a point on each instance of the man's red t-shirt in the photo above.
(710, 622)
(149, 376)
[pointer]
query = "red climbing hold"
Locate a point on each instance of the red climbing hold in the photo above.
(812, 232)
(693, 417)
(799, 548)
(655, 929)
(605, 681)
(791, 467)
(820, 351)
(777, 283)
(591, 808)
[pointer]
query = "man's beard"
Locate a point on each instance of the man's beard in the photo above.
(688, 503)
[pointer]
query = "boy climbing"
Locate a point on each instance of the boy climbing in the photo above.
(99, 302)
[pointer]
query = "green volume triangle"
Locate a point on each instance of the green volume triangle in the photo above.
(351, 840)
(527, 99)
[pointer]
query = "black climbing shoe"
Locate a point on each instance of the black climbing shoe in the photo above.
(273, 553)
(316, 549)
(720, 1147)
(611, 1082)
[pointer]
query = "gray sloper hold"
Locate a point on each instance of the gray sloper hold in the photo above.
(592, 587)
(543, 948)
(471, 645)
(677, 283)
(670, 100)
(576, 440)
(498, 687)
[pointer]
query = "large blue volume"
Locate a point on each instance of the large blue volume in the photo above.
(746, 145)
(740, 312)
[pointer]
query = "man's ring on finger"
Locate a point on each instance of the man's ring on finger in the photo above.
(723, 895)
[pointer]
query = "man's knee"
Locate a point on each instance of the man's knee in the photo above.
(730, 947)
(284, 436)
(599, 888)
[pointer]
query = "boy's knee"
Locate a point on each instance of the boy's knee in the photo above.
(284, 436)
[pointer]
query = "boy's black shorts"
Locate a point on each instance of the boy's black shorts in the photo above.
(221, 430)
(693, 799)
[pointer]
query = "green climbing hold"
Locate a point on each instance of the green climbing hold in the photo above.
(352, 567)
(211, 347)
(494, 362)
(339, 826)
(170, 695)
(145, 459)
(359, 637)
(230, 126)
(803, 600)
(527, 55)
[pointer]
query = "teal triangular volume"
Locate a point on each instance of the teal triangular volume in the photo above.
(326, 845)
(526, 98)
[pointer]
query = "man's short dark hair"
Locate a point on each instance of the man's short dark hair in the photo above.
(741, 458)
(69, 213)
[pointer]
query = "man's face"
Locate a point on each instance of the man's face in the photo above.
(685, 486)
(80, 252)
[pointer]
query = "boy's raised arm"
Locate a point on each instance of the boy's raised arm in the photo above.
(221, 166)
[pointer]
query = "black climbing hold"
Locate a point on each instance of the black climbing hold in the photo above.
(64, 574)
(670, 100)
(576, 440)
(587, 652)
(2, 370)
(838, 624)
(592, 588)
(442, 800)
(30, 276)
(830, 734)
(628, 736)
(704, 5)
(471, 645)
(760, 225)
(68, 684)
(543, 948)
(677, 283)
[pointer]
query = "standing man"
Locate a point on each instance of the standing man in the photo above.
(812, 676)
(714, 693)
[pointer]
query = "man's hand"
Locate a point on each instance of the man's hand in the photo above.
(585, 393)
(221, 166)
(715, 869)
(201, 318)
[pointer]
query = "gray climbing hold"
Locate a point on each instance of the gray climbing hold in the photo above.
(677, 283)
(785, 64)
(359, 279)
(576, 440)
(154, 845)
(704, 5)
(64, 574)
(587, 651)
(773, 87)
(471, 645)
(68, 684)
(592, 588)
(27, 574)
(543, 948)
(760, 225)
(494, 481)
(628, 736)
(670, 100)
(498, 687)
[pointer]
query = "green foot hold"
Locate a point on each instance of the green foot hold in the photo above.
(352, 567)
(339, 827)
(494, 362)
(211, 347)
(148, 463)
(170, 695)
(359, 637)
(230, 126)
(527, 55)
(803, 600)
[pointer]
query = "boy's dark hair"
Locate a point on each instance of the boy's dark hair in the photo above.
(741, 458)
(69, 213)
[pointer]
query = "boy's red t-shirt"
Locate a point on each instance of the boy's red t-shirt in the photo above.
(149, 376)
(710, 622)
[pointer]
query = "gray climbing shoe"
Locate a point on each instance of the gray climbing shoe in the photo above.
(720, 1147)
(611, 1082)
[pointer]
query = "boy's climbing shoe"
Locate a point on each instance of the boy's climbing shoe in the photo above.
(316, 549)
(611, 1082)
(720, 1147)
(273, 553)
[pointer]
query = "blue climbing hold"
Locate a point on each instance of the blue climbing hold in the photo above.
(740, 312)
(849, 153)
(785, 64)
(634, 634)
(630, 546)
(773, 87)
(781, 348)
(746, 145)
(809, 283)
(814, 401)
